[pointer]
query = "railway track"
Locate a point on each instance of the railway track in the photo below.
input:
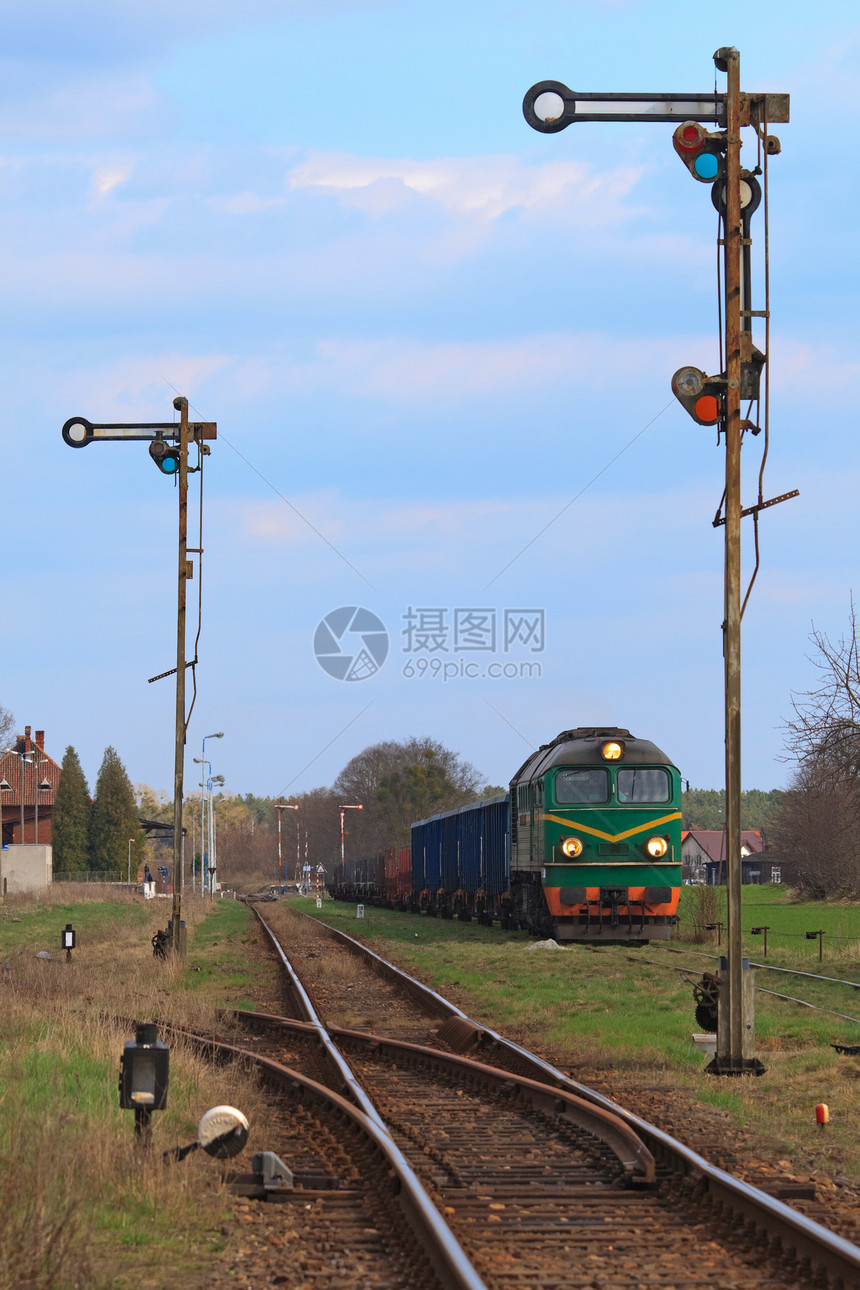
(540, 1181)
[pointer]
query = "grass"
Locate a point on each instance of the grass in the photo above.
(630, 1010)
(788, 920)
(79, 1206)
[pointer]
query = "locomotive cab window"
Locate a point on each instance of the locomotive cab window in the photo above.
(583, 784)
(644, 784)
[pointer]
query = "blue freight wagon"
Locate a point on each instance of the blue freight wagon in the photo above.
(461, 861)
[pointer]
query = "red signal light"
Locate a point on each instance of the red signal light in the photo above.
(708, 409)
(690, 136)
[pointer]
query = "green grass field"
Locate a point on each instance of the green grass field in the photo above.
(79, 1207)
(630, 1009)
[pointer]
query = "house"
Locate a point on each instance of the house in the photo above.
(703, 858)
(28, 786)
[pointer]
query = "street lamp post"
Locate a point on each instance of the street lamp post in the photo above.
(213, 862)
(24, 758)
(203, 835)
(29, 759)
(45, 786)
(357, 807)
(202, 761)
(286, 806)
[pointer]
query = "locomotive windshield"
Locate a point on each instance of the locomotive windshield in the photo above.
(644, 784)
(584, 784)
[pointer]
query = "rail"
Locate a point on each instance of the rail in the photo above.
(840, 1259)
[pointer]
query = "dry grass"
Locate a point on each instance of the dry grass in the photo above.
(79, 1206)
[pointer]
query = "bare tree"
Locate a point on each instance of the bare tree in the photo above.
(817, 831)
(7, 725)
(398, 782)
(819, 822)
(825, 727)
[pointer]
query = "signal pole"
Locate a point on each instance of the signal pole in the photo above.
(179, 939)
(549, 107)
(736, 1048)
(170, 460)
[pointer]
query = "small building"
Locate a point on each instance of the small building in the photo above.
(29, 779)
(703, 858)
(25, 869)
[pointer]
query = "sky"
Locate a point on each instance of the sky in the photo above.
(438, 348)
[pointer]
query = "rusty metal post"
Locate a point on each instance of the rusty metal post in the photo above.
(732, 640)
(178, 943)
(736, 1034)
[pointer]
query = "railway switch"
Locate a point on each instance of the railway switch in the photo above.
(706, 994)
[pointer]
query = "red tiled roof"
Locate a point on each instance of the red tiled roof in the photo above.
(42, 764)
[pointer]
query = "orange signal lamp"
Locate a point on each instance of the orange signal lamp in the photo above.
(612, 751)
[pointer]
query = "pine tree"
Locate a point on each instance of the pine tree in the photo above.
(70, 819)
(114, 821)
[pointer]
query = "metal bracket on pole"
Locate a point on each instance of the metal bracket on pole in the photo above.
(560, 107)
(761, 506)
(78, 431)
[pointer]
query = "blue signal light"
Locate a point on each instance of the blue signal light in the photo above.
(707, 166)
(700, 151)
(165, 457)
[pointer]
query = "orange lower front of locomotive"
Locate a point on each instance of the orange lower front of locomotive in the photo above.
(612, 911)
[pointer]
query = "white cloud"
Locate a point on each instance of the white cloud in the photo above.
(245, 203)
(489, 526)
(408, 369)
(796, 363)
(481, 188)
(108, 106)
(144, 384)
(108, 177)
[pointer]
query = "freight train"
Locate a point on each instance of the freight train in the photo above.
(585, 847)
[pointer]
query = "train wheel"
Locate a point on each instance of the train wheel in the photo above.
(541, 925)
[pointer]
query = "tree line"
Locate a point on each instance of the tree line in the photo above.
(814, 825)
(705, 808)
(393, 782)
(92, 834)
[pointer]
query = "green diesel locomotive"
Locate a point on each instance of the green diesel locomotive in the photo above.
(595, 838)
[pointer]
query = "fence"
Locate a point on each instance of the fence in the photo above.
(91, 875)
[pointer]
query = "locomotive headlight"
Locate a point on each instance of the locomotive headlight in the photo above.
(572, 847)
(612, 751)
(656, 847)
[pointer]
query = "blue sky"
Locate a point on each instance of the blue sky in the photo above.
(438, 347)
